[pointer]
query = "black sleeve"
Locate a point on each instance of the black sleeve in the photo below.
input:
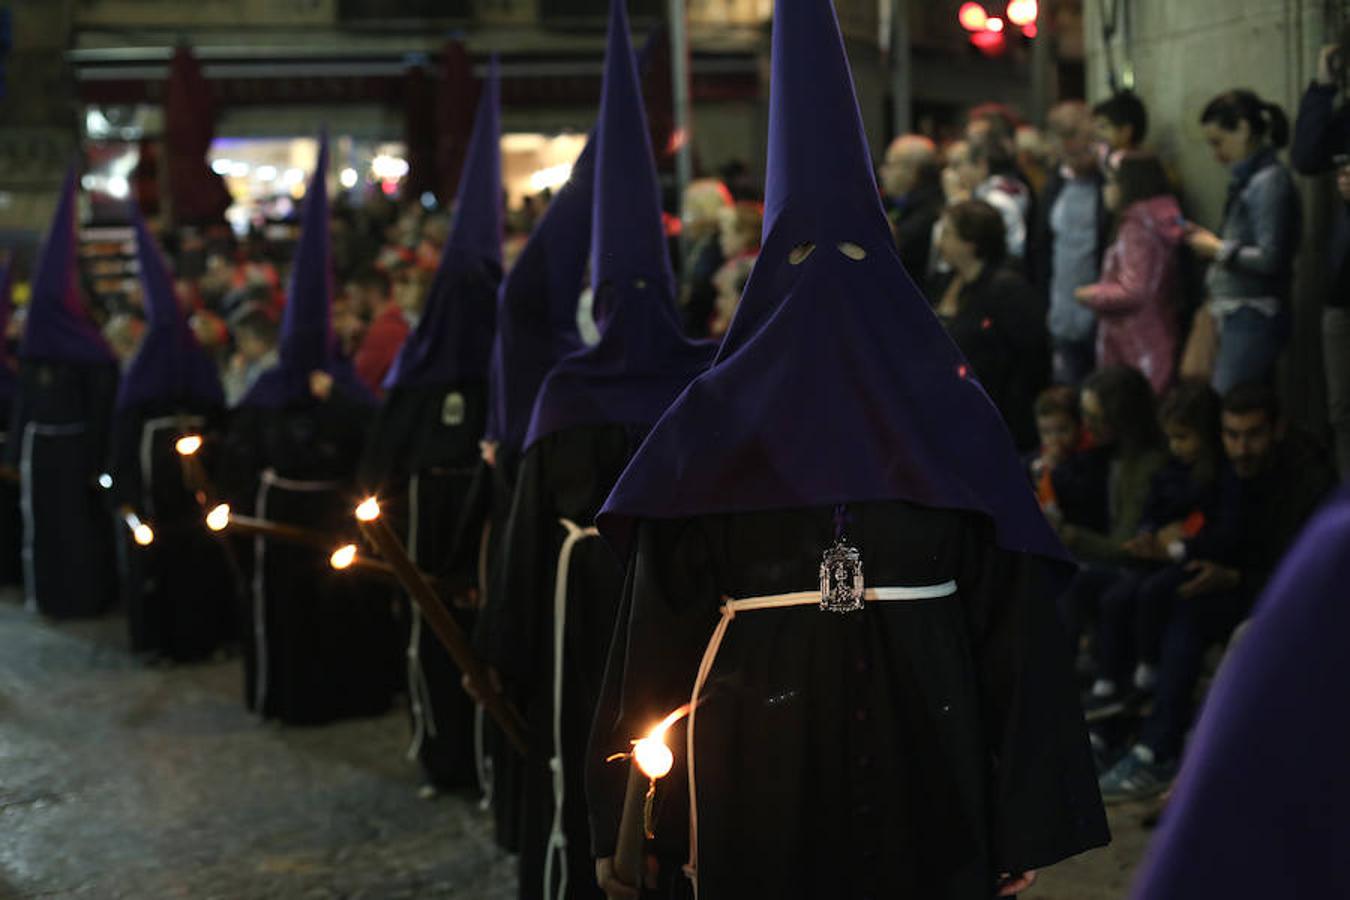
(509, 633)
(668, 612)
(1319, 133)
(1045, 802)
(460, 569)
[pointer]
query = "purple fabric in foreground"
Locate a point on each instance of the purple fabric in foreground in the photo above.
(835, 383)
(1259, 809)
(642, 360)
(170, 364)
(58, 328)
(307, 343)
(452, 342)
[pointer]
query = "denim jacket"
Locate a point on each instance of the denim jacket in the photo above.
(1262, 226)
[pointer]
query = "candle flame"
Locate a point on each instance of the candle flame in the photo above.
(188, 444)
(143, 534)
(369, 510)
(343, 557)
(218, 519)
(651, 754)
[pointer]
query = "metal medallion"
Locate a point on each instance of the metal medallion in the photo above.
(841, 579)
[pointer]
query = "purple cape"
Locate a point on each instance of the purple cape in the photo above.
(1259, 809)
(170, 364)
(58, 328)
(835, 383)
(452, 342)
(307, 343)
(642, 360)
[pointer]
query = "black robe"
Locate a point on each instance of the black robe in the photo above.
(424, 451)
(180, 593)
(318, 644)
(58, 440)
(566, 475)
(917, 748)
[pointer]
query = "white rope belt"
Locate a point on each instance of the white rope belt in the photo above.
(730, 607)
(557, 838)
(483, 762)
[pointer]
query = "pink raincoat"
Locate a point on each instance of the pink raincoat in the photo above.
(1134, 300)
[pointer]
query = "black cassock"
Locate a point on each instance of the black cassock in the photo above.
(422, 456)
(565, 476)
(58, 440)
(180, 592)
(915, 748)
(318, 644)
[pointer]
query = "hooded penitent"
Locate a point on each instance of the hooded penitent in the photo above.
(835, 383)
(307, 343)
(642, 360)
(170, 364)
(453, 339)
(58, 328)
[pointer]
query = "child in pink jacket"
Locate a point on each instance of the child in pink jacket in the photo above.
(1136, 315)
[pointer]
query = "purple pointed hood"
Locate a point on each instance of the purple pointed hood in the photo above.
(1259, 807)
(537, 306)
(170, 364)
(642, 360)
(452, 342)
(307, 343)
(835, 383)
(58, 328)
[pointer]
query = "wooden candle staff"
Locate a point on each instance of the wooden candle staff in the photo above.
(456, 643)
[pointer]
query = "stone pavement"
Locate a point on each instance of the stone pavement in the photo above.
(118, 780)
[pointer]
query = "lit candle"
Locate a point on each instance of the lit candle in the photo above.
(141, 532)
(343, 557)
(651, 761)
(218, 519)
(195, 478)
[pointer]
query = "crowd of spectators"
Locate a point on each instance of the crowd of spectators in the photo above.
(1133, 354)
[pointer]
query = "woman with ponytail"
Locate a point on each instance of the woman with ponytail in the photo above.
(1252, 256)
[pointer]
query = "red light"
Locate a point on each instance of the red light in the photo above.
(990, 43)
(962, 371)
(1023, 12)
(1030, 30)
(972, 16)
(995, 25)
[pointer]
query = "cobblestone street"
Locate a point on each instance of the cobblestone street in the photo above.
(118, 780)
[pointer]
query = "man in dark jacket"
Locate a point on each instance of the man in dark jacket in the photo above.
(1321, 136)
